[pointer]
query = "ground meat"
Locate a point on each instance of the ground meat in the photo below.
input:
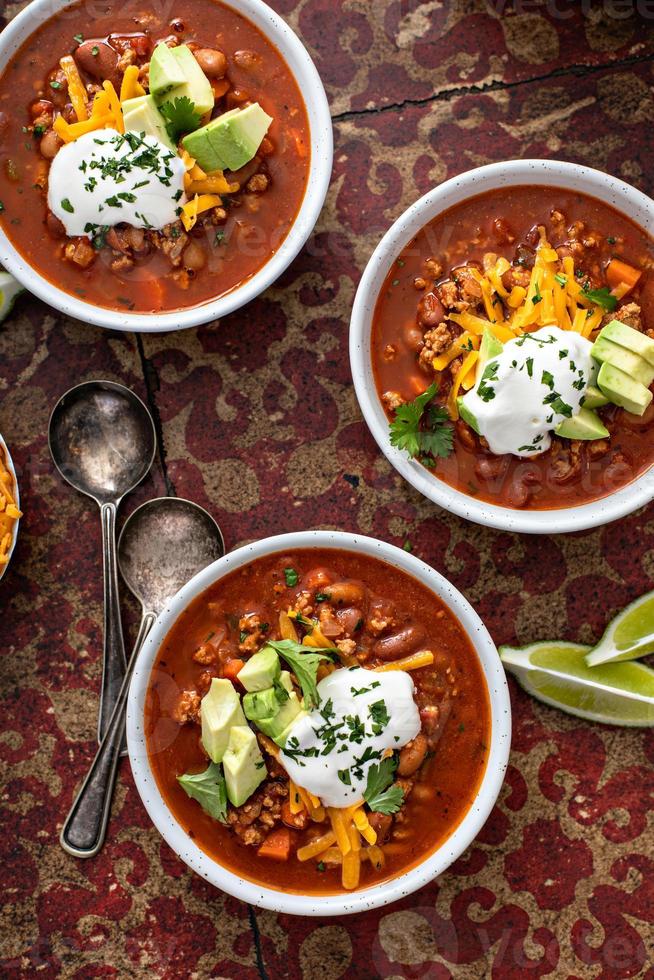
(204, 655)
(565, 460)
(171, 240)
(188, 707)
(257, 184)
(252, 631)
(122, 263)
(448, 294)
(598, 448)
(469, 288)
(346, 647)
(630, 314)
(253, 821)
(392, 400)
(436, 341)
(80, 252)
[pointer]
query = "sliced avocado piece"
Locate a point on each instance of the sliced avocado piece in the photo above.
(606, 351)
(622, 390)
(141, 115)
(194, 86)
(166, 72)
(624, 335)
(261, 704)
(243, 765)
(277, 725)
(466, 414)
(220, 710)
(584, 425)
(285, 681)
(490, 347)
(594, 398)
(230, 141)
(260, 671)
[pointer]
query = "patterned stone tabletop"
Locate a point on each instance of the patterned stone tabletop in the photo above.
(259, 423)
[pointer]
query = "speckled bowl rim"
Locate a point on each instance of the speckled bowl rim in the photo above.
(554, 173)
(10, 466)
(369, 898)
(320, 125)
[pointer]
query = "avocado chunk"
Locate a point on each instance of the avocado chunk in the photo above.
(230, 141)
(277, 725)
(622, 390)
(142, 116)
(220, 710)
(165, 71)
(466, 414)
(594, 398)
(260, 671)
(180, 78)
(624, 335)
(584, 425)
(243, 765)
(261, 704)
(490, 347)
(606, 351)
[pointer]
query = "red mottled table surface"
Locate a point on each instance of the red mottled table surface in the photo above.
(259, 423)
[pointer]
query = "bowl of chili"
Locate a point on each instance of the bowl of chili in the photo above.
(129, 205)
(400, 662)
(511, 270)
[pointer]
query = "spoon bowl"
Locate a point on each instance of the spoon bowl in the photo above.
(161, 547)
(102, 439)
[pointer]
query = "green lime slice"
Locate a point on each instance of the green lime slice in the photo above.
(628, 636)
(557, 673)
(9, 290)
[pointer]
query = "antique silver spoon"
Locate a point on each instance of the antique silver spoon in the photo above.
(163, 544)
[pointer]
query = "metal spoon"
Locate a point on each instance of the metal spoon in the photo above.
(162, 545)
(102, 441)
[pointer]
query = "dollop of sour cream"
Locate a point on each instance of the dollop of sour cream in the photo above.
(537, 381)
(105, 178)
(361, 715)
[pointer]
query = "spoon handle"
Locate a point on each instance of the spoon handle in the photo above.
(113, 667)
(85, 827)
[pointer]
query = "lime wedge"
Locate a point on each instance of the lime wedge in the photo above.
(9, 290)
(557, 673)
(628, 636)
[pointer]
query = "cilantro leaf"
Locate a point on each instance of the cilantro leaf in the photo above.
(304, 665)
(422, 429)
(181, 117)
(379, 794)
(601, 297)
(209, 789)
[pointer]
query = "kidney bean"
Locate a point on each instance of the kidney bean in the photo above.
(381, 823)
(346, 593)
(349, 618)
(99, 60)
(414, 337)
(430, 310)
(399, 644)
(412, 756)
(248, 60)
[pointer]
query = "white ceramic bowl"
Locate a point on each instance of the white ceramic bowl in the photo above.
(552, 173)
(320, 127)
(4, 452)
(382, 894)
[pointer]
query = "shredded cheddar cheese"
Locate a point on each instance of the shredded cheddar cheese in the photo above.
(194, 207)
(76, 89)
(130, 87)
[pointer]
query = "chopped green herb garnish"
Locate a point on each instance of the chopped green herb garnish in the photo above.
(181, 117)
(380, 796)
(304, 665)
(421, 428)
(601, 297)
(67, 206)
(291, 577)
(209, 789)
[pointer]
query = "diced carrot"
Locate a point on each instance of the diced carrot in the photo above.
(231, 669)
(277, 845)
(618, 272)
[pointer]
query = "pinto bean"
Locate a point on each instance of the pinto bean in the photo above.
(430, 310)
(399, 644)
(213, 63)
(248, 60)
(414, 337)
(49, 145)
(412, 755)
(194, 257)
(346, 593)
